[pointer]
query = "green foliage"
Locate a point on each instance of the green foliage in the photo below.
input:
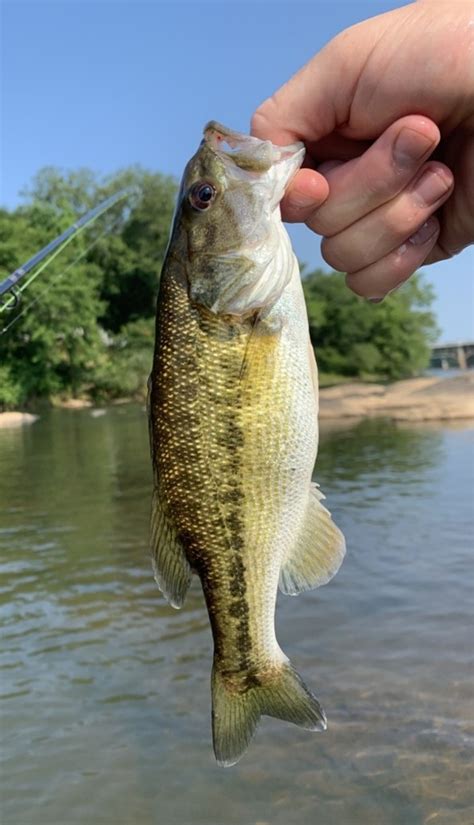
(125, 370)
(74, 339)
(11, 393)
(53, 347)
(88, 327)
(353, 337)
(130, 255)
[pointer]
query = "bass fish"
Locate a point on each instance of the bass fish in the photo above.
(233, 405)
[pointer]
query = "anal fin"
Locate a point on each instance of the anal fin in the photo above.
(171, 568)
(318, 551)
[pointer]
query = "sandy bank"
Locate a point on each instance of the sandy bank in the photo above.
(72, 403)
(16, 419)
(418, 399)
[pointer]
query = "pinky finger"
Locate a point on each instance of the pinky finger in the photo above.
(374, 282)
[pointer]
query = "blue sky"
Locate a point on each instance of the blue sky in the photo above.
(107, 84)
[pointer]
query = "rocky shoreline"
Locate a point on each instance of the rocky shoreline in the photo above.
(416, 399)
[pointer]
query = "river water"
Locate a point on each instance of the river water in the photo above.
(105, 689)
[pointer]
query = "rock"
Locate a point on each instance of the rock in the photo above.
(16, 419)
(416, 399)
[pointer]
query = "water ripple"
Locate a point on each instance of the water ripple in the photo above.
(105, 689)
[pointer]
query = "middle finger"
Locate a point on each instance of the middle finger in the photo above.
(360, 185)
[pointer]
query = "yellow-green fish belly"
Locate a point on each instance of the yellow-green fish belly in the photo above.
(234, 433)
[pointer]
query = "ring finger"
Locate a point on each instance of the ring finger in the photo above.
(374, 282)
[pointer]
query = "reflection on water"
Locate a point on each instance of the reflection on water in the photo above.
(105, 689)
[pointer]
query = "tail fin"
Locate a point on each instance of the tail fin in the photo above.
(235, 715)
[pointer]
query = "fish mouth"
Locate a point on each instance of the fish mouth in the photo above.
(250, 153)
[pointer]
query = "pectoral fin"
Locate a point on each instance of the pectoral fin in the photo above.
(318, 552)
(170, 566)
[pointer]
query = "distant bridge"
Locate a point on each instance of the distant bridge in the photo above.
(459, 354)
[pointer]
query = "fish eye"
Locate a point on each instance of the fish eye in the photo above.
(201, 195)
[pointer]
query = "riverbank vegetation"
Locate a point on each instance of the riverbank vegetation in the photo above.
(86, 329)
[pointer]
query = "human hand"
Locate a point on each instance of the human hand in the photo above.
(372, 197)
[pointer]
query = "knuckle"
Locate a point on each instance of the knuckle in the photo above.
(381, 186)
(400, 222)
(397, 265)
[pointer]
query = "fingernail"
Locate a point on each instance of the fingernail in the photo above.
(390, 291)
(425, 233)
(431, 187)
(411, 146)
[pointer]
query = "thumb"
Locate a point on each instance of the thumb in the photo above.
(317, 100)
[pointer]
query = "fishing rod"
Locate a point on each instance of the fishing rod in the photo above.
(52, 249)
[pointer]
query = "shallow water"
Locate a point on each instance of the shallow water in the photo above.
(105, 689)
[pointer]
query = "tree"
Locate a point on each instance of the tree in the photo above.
(64, 343)
(131, 260)
(87, 327)
(55, 344)
(356, 338)
(133, 234)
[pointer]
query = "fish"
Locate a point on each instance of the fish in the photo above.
(233, 419)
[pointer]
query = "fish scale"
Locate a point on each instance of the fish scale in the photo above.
(233, 426)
